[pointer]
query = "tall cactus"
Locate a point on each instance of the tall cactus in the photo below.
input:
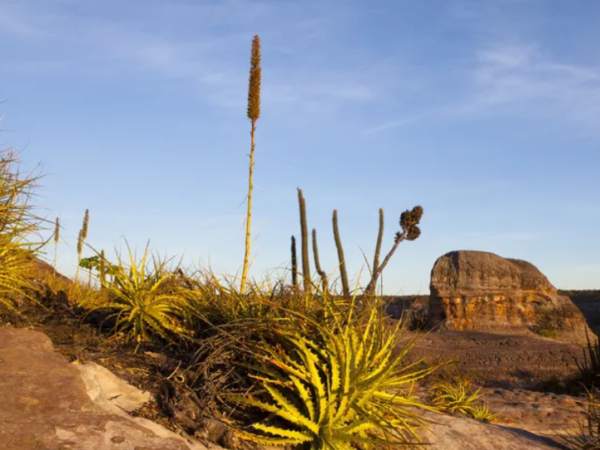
(320, 271)
(304, 230)
(340, 252)
(294, 264)
(373, 283)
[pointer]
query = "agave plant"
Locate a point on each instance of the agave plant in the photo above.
(338, 387)
(142, 306)
(458, 395)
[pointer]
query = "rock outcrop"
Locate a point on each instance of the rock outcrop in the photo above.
(50, 404)
(481, 291)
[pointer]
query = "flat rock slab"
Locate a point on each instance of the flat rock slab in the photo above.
(539, 413)
(542, 413)
(463, 433)
(45, 405)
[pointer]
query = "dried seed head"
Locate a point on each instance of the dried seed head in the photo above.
(255, 78)
(417, 213)
(86, 221)
(411, 218)
(57, 231)
(413, 233)
(80, 242)
(405, 220)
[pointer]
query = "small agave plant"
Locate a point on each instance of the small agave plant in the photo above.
(456, 396)
(138, 301)
(331, 390)
(483, 413)
(461, 396)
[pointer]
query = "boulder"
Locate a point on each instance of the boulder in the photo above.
(481, 291)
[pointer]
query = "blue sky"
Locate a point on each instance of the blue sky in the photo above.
(486, 113)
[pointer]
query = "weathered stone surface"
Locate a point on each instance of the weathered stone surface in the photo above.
(463, 433)
(110, 392)
(481, 291)
(45, 404)
(540, 413)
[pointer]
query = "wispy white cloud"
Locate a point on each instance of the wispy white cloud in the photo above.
(203, 47)
(507, 74)
(213, 64)
(523, 80)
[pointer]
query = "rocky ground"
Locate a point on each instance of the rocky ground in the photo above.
(521, 375)
(50, 404)
(505, 361)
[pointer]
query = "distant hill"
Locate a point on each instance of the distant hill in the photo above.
(581, 295)
(588, 301)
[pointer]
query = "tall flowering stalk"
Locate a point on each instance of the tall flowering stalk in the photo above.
(253, 115)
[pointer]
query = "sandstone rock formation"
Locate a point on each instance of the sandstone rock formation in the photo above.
(481, 291)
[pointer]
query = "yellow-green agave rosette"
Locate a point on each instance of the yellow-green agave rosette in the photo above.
(340, 387)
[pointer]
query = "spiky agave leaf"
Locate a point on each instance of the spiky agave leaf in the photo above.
(483, 413)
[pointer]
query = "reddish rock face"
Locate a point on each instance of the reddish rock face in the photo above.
(44, 404)
(481, 291)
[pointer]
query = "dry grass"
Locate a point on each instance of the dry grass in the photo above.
(17, 224)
